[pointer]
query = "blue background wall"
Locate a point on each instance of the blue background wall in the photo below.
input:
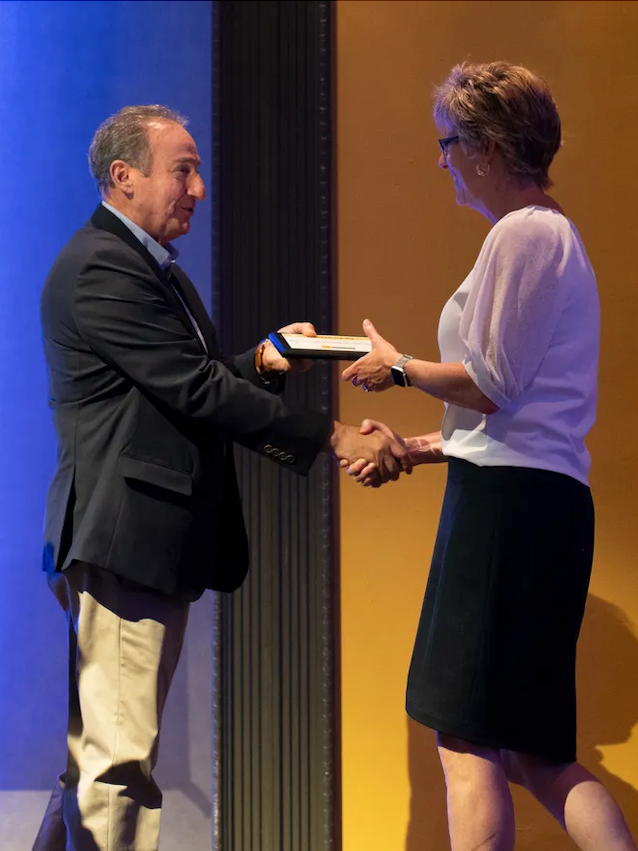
(65, 66)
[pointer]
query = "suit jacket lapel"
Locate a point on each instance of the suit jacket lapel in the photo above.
(193, 302)
(105, 220)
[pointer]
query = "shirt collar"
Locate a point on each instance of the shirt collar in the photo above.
(164, 255)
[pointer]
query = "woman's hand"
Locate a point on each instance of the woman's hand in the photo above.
(364, 472)
(372, 371)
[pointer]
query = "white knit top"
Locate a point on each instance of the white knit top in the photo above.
(525, 324)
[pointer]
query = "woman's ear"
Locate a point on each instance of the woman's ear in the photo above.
(487, 149)
(483, 151)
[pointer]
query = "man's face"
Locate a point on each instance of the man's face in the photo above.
(163, 202)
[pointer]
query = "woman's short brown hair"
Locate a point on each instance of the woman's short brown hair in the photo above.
(507, 105)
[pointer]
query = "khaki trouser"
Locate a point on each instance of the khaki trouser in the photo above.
(124, 645)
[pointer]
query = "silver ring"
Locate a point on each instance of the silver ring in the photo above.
(366, 389)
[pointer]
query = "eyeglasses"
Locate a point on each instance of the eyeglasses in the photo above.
(444, 143)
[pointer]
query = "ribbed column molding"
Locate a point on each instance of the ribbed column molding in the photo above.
(276, 783)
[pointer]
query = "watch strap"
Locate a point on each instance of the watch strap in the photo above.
(398, 373)
(403, 360)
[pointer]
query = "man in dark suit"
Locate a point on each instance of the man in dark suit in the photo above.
(143, 513)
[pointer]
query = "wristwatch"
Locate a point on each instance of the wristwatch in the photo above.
(399, 376)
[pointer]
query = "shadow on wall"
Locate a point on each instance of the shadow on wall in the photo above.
(608, 695)
(427, 828)
(608, 709)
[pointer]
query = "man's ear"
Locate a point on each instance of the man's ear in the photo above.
(121, 175)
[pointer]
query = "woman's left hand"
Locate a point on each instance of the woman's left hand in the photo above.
(372, 371)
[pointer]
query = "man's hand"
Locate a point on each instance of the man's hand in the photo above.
(273, 361)
(363, 471)
(372, 372)
(381, 453)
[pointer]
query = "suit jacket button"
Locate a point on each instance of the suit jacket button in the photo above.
(268, 449)
(290, 459)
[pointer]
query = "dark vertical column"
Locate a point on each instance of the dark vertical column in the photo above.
(275, 690)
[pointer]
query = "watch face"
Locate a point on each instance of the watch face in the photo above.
(398, 376)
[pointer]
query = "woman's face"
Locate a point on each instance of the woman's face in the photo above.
(462, 168)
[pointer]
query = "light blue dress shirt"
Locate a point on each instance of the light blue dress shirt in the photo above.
(165, 256)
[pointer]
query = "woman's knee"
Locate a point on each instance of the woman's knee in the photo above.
(531, 771)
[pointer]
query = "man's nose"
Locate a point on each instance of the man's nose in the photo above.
(197, 188)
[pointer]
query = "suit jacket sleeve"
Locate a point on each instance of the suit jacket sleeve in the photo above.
(244, 366)
(123, 314)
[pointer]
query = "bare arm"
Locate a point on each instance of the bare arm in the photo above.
(448, 382)
(426, 449)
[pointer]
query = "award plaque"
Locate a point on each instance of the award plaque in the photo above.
(322, 346)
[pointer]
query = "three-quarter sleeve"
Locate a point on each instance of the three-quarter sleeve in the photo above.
(513, 308)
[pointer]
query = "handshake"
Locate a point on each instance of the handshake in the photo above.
(372, 454)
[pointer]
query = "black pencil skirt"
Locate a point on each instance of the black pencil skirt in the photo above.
(495, 651)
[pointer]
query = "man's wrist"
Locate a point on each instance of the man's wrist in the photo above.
(262, 365)
(334, 437)
(259, 358)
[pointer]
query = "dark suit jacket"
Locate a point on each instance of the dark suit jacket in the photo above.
(145, 420)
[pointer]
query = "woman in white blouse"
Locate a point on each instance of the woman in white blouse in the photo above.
(493, 667)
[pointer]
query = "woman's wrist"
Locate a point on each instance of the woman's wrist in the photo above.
(412, 446)
(425, 449)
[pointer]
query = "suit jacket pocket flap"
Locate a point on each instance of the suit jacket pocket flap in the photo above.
(154, 474)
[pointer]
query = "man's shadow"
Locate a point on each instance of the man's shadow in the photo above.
(607, 710)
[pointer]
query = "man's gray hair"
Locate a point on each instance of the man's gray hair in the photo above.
(124, 136)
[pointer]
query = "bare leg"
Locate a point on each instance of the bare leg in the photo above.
(479, 804)
(581, 804)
